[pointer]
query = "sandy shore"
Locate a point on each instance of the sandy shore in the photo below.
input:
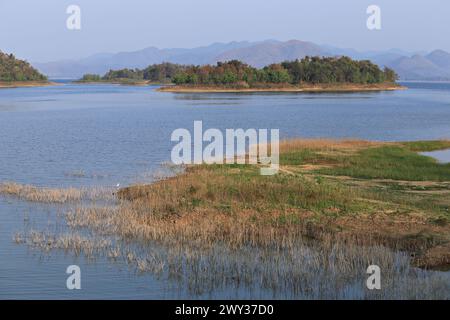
(22, 84)
(309, 88)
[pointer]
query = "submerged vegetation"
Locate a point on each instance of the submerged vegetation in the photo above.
(53, 195)
(308, 232)
(14, 70)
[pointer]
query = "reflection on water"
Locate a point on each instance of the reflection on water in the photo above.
(101, 135)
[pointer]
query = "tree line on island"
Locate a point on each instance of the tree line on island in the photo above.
(156, 73)
(12, 70)
(234, 73)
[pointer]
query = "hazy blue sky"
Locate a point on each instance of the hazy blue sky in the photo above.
(36, 29)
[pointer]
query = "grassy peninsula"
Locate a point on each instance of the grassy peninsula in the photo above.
(346, 191)
(335, 207)
(349, 193)
(19, 73)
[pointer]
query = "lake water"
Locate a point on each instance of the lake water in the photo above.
(442, 156)
(102, 135)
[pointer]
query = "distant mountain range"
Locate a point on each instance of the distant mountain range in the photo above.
(409, 65)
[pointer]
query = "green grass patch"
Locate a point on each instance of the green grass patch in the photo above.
(391, 162)
(426, 146)
(232, 188)
(300, 157)
(250, 190)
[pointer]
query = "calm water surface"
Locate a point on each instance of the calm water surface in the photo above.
(442, 156)
(118, 134)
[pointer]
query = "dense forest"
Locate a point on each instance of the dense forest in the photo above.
(309, 70)
(160, 73)
(12, 69)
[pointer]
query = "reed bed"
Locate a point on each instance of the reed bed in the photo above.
(330, 269)
(70, 242)
(54, 195)
(205, 255)
(206, 252)
(287, 146)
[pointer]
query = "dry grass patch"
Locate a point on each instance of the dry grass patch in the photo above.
(53, 195)
(287, 146)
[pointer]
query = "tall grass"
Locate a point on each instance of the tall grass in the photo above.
(276, 262)
(54, 195)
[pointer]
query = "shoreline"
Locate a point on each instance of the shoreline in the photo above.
(26, 84)
(300, 89)
(118, 82)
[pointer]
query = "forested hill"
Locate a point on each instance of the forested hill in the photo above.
(12, 69)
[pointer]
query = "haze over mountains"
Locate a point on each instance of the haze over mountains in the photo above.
(410, 66)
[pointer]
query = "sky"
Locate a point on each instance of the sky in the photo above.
(36, 29)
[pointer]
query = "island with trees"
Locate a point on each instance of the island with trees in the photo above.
(309, 74)
(161, 74)
(19, 73)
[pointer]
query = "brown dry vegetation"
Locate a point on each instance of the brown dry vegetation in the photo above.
(52, 195)
(324, 144)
